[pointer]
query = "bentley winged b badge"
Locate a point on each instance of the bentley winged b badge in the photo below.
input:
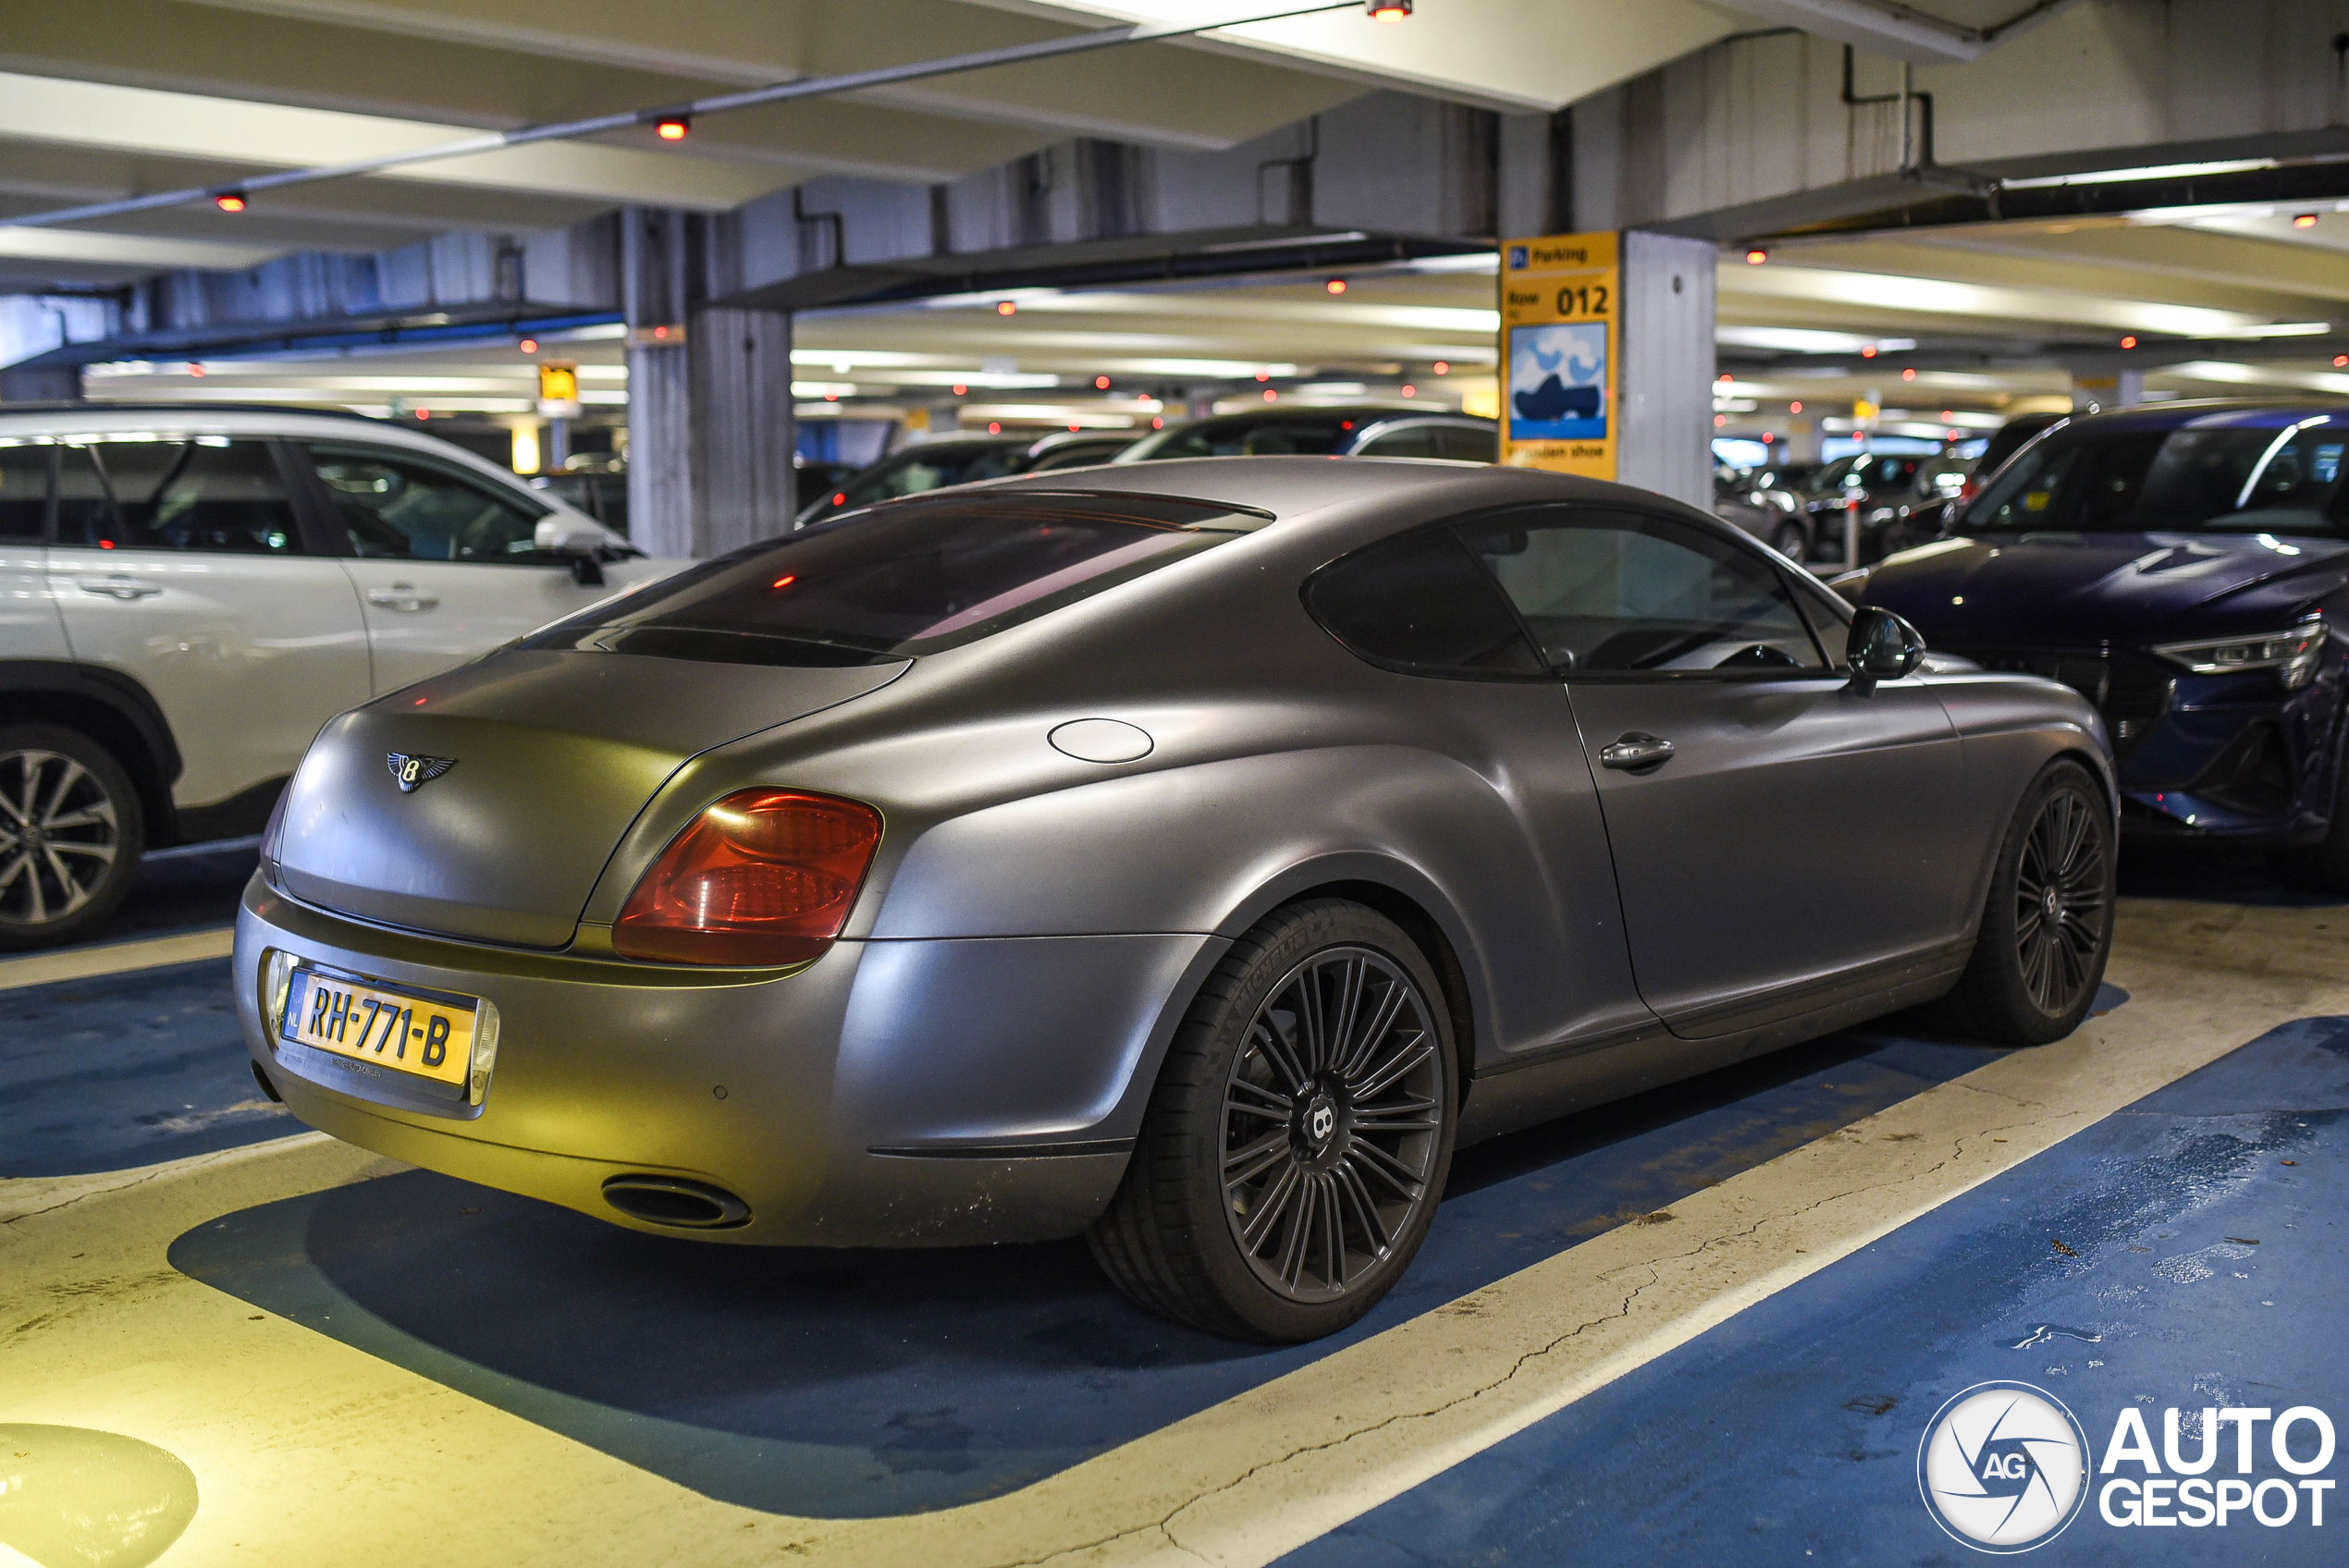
(412, 771)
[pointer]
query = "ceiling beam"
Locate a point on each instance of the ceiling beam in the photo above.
(1502, 55)
(264, 136)
(1154, 95)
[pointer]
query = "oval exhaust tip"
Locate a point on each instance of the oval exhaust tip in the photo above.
(677, 1202)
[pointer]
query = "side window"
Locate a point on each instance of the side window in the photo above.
(24, 492)
(1420, 604)
(204, 494)
(1618, 592)
(390, 505)
(1463, 445)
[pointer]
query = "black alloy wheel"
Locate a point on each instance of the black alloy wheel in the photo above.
(2060, 897)
(2046, 926)
(1299, 1137)
(70, 834)
(1331, 1123)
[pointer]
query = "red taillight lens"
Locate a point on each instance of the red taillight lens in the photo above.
(763, 876)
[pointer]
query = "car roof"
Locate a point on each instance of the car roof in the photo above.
(2213, 413)
(21, 420)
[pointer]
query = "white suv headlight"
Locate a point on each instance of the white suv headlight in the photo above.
(2292, 653)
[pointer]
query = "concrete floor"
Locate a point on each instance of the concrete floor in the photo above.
(1712, 1322)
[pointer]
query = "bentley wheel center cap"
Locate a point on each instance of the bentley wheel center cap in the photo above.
(1321, 1119)
(2053, 904)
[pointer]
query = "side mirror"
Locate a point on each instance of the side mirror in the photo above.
(582, 542)
(562, 535)
(1882, 647)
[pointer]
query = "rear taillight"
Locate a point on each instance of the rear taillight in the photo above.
(763, 876)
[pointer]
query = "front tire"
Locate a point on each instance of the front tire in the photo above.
(2046, 926)
(1300, 1135)
(70, 834)
(1793, 542)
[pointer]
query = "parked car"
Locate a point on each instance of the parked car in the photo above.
(1366, 431)
(1881, 485)
(188, 594)
(965, 459)
(1190, 862)
(2186, 568)
(1076, 449)
(928, 465)
(1769, 513)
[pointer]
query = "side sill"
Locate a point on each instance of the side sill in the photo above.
(1002, 1151)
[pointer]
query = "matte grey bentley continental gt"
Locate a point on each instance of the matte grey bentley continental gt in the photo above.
(1188, 855)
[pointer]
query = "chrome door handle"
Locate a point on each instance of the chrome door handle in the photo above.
(1636, 750)
(402, 597)
(119, 586)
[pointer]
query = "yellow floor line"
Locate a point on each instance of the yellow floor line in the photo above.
(308, 1448)
(115, 957)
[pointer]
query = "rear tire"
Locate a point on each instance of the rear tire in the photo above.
(70, 834)
(1300, 1135)
(1790, 541)
(2046, 926)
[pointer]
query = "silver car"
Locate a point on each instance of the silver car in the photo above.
(1188, 855)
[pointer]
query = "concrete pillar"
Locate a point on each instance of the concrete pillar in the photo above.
(1665, 366)
(1534, 187)
(660, 474)
(743, 441)
(709, 405)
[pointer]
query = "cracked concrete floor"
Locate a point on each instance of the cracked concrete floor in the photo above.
(306, 1447)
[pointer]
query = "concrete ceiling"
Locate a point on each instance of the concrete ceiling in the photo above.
(104, 99)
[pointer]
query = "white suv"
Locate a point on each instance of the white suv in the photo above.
(186, 594)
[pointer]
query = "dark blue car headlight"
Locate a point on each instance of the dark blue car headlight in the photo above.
(2292, 653)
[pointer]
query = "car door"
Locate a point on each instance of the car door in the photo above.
(445, 562)
(178, 561)
(1779, 832)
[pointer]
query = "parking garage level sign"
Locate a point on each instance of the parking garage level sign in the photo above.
(1561, 309)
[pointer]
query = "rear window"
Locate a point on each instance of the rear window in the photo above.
(903, 580)
(2236, 479)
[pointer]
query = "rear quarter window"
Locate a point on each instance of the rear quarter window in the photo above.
(1423, 606)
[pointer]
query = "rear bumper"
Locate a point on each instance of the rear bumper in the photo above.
(891, 1094)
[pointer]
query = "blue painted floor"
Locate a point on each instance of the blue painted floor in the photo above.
(872, 1383)
(126, 1070)
(2202, 1263)
(866, 1384)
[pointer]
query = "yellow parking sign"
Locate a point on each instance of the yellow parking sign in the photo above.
(1561, 309)
(558, 381)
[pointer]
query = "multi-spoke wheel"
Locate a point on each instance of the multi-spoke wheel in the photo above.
(69, 834)
(2047, 927)
(1297, 1142)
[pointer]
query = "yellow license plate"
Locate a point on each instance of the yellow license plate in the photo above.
(406, 1033)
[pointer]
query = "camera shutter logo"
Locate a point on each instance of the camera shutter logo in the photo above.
(411, 770)
(2003, 1468)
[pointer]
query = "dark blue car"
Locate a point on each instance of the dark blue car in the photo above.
(2186, 568)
